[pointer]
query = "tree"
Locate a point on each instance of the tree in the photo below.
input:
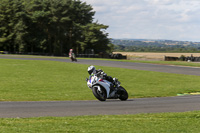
(94, 37)
(9, 13)
(50, 27)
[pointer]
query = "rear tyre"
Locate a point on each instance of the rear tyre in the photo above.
(100, 95)
(123, 94)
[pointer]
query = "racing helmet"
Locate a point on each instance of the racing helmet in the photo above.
(91, 69)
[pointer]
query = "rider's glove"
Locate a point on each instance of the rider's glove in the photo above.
(98, 74)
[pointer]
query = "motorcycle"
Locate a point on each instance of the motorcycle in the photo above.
(103, 89)
(73, 57)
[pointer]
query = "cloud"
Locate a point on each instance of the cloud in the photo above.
(153, 19)
(162, 2)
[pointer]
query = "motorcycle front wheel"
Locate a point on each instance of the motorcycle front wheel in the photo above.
(123, 94)
(100, 95)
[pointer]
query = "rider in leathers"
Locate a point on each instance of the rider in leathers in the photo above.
(100, 73)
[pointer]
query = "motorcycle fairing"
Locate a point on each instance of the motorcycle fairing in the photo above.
(94, 81)
(104, 85)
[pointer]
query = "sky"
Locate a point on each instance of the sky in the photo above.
(149, 19)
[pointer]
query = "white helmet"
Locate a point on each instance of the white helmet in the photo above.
(91, 69)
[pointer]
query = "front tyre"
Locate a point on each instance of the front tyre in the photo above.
(100, 95)
(123, 94)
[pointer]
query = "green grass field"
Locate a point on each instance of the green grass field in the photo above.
(32, 80)
(187, 122)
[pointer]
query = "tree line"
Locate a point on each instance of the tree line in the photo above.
(50, 27)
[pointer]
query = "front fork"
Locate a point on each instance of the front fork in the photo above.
(99, 89)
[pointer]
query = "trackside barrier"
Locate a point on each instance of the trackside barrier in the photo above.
(168, 58)
(183, 58)
(109, 56)
(118, 56)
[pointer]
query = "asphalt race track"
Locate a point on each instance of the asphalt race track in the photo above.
(110, 107)
(132, 106)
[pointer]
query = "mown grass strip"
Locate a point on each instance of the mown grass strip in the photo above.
(32, 80)
(178, 63)
(187, 122)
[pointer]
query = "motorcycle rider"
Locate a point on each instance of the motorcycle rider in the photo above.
(72, 55)
(100, 73)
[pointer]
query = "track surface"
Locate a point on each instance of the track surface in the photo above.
(132, 106)
(75, 108)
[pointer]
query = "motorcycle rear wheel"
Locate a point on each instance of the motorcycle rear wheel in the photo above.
(123, 94)
(101, 96)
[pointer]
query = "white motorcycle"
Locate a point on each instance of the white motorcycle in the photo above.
(103, 89)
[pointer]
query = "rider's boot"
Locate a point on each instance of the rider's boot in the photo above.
(112, 87)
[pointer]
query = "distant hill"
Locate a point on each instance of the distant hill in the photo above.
(151, 45)
(151, 41)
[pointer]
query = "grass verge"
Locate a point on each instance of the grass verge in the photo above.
(178, 63)
(187, 122)
(32, 80)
